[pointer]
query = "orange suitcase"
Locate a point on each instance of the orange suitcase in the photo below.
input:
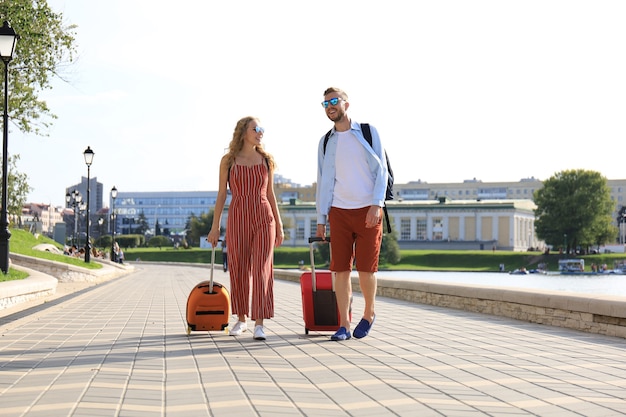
(319, 301)
(208, 305)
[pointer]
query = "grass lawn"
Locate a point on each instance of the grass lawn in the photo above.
(22, 242)
(412, 260)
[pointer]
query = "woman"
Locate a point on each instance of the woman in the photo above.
(253, 227)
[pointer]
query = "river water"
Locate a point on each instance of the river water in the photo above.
(601, 284)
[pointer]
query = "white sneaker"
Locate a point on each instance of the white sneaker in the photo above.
(258, 333)
(238, 328)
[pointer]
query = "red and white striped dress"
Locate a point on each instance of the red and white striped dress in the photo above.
(251, 233)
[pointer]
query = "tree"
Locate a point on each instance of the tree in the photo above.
(389, 249)
(44, 48)
(160, 242)
(198, 227)
(574, 209)
(17, 188)
(143, 224)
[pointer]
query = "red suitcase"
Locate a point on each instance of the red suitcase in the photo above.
(208, 305)
(319, 302)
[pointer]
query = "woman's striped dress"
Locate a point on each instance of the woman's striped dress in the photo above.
(251, 233)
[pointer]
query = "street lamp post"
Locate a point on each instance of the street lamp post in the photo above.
(113, 197)
(74, 199)
(8, 39)
(88, 154)
(100, 223)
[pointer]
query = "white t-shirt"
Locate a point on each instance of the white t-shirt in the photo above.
(354, 185)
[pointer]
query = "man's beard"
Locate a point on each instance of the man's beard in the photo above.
(339, 116)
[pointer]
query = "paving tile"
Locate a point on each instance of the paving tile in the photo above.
(121, 348)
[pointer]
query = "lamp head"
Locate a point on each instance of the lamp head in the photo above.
(8, 39)
(114, 192)
(88, 154)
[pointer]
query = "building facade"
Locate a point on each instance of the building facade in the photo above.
(95, 193)
(467, 190)
(436, 224)
(170, 209)
(42, 217)
(468, 215)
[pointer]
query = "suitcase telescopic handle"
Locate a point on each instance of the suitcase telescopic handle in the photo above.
(311, 241)
(212, 267)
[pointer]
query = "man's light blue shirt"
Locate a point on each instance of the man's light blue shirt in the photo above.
(326, 169)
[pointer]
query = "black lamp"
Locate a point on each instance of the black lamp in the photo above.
(113, 197)
(88, 154)
(8, 39)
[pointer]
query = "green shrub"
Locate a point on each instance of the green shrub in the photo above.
(160, 242)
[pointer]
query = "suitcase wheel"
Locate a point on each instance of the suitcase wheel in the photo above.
(306, 331)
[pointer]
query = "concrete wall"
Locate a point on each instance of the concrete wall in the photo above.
(588, 313)
(44, 276)
(70, 273)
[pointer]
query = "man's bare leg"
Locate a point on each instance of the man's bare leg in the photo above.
(367, 281)
(343, 289)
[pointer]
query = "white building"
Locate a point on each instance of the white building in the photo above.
(436, 224)
(42, 217)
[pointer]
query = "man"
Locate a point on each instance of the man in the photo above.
(351, 184)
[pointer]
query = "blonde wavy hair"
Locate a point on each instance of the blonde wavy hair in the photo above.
(236, 143)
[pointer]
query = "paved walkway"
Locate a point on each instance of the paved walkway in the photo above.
(121, 349)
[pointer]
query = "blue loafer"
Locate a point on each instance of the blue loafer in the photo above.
(341, 335)
(363, 328)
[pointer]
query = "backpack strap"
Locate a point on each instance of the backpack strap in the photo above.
(367, 134)
(387, 217)
(326, 139)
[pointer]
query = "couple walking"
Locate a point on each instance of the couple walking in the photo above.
(351, 186)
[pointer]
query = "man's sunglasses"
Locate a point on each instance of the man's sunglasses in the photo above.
(259, 129)
(332, 102)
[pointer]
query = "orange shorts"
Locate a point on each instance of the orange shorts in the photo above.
(350, 238)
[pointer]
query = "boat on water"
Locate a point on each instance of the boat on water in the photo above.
(542, 268)
(619, 267)
(571, 266)
(577, 267)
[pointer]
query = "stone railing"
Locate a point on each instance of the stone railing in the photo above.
(19, 291)
(44, 276)
(71, 273)
(589, 313)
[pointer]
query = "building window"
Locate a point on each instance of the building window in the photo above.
(405, 229)
(420, 229)
(300, 229)
(437, 228)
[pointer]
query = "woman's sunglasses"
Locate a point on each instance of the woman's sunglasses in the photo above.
(259, 129)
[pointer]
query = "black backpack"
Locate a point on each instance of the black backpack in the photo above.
(367, 134)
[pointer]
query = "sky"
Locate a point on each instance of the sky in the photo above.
(492, 90)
